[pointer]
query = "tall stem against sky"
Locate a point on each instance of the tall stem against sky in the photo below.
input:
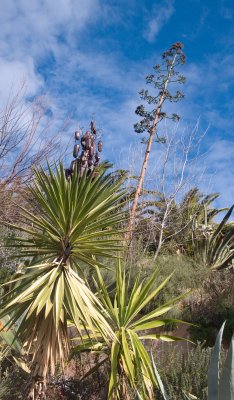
(165, 74)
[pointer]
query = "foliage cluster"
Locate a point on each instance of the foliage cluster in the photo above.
(64, 300)
(64, 238)
(186, 371)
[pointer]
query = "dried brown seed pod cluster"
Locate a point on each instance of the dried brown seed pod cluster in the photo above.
(89, 157)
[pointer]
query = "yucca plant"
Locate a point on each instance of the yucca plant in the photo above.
(73, 223)
(127, 354)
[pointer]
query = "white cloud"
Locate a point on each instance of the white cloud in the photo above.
(35, 25)
(220, 159)
(29, 30)
(161, 15)
(14, 74)
(105, 82)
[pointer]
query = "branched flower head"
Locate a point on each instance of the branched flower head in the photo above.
(164, 76)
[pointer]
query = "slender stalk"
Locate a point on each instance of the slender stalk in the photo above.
(147, 152)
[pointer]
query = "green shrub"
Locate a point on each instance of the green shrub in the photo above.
(210, 306)
(7, 265)
(186, 371)
(186, 275)
(12, 383)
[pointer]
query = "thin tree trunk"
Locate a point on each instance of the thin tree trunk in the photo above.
(160, 240)
(147, 153)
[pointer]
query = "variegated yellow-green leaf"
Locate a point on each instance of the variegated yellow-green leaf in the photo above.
(67, 224)
(129, 359)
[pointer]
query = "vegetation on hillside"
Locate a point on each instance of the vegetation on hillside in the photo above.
(89, 289)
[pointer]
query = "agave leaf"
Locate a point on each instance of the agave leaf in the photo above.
(145, 364)
(88, 346)
(59, 299)
(223, 222)
(223, 263)
(160, 310)
(149, 325)
(213, 373)
(144, 298)
(226, 383)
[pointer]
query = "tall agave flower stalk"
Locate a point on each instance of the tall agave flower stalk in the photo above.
(164, 75)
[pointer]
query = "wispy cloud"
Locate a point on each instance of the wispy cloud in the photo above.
(30, 31)
(14, 73)
(160, 15)
(71, 50)
(220, 161)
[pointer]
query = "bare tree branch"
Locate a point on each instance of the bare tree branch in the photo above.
(179, 168)
(25, 141)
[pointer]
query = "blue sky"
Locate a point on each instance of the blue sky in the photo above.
(90, 57)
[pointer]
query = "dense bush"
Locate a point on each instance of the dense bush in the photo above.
(186, 275)
(7, 264)
(186, 371)
(211, 305)
(13, 383)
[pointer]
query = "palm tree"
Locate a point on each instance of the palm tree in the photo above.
(68, 225)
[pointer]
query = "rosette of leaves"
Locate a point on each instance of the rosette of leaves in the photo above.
(66, 226)
(130, 364)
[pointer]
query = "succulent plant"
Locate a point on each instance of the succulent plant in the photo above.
(216, 246)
